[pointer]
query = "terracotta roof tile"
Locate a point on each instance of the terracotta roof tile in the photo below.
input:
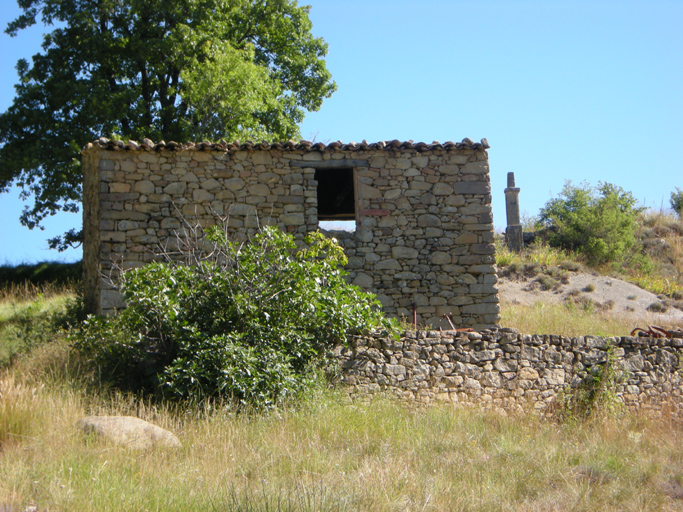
(303, 145)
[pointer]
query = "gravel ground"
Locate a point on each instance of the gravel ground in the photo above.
(610, 294)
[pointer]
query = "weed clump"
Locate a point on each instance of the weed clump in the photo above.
(596, 393)
(547, 282)
(657, 307)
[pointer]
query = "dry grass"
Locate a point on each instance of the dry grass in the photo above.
(333, 455)
(571, 320)
(539, 254)
(27, 323)
(27, 291)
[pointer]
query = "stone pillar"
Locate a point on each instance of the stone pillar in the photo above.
(513, 233)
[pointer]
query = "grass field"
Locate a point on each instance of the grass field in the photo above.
(328, 454)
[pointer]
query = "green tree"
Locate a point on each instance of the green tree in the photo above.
(166, 70)
(596, 221)
(676, 202)
(251, 322)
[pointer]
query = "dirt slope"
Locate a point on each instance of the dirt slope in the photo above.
(607, 293)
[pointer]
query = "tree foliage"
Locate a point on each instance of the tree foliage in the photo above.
(596, 221)
(180, 70)
(250, 323)
(676, 202)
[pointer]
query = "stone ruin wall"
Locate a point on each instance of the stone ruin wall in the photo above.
(424, 236)
(507, 371)
(424, 228)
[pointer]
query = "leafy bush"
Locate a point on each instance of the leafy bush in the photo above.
(598, 222)
(251, 323)
(677, 202)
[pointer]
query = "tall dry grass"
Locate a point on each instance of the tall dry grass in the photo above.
(27, 291)
(28, 323)
(330, 455)
(572, 320)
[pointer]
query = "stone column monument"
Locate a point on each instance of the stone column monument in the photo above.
(513, 233)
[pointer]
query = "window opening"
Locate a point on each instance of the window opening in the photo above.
(336, 199)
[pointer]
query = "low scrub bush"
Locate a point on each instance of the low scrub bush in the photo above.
(249, 323)
(597, 222)
(677, 202)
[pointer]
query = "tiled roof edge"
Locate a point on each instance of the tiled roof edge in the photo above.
(303, 145)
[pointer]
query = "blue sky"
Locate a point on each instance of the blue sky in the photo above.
(563, 90)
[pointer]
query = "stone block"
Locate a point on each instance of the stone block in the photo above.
(442, 189)
(210, 184)
(368, 192)
(106, 165)
(428, 220)
(440, 258)
(243, 209)
(403, 252)
(363, 280)
(111, 299)
(144, 187)
(476, 168)
(126, 225)
(472, 187)
(200, 195)
(265, 158)
(388, 264)
(170, 223)
(259, 190)
(176, 189)
(478, 309)
(449, 169)
(234, 184)
(292, 219)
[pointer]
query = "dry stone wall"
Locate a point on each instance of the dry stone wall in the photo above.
(424, 230)
(501, 369)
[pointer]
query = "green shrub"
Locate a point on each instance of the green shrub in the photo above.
(251, 323)
(547, 282)
(677, 202)
(598, 222)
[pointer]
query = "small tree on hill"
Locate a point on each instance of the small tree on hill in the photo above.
(677, 202)
(596, 221)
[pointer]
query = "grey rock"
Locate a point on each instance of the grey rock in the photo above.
(128, 431)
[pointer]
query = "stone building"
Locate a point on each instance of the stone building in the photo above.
(423, 232)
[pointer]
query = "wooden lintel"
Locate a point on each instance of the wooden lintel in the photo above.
(343, 163)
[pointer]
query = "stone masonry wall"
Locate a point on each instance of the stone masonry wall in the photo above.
(501, 369)
(424, 230)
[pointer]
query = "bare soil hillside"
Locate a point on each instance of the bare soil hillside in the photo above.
(593, 290)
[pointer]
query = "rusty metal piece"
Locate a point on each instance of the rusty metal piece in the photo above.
(653, 331)
(457, 329)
